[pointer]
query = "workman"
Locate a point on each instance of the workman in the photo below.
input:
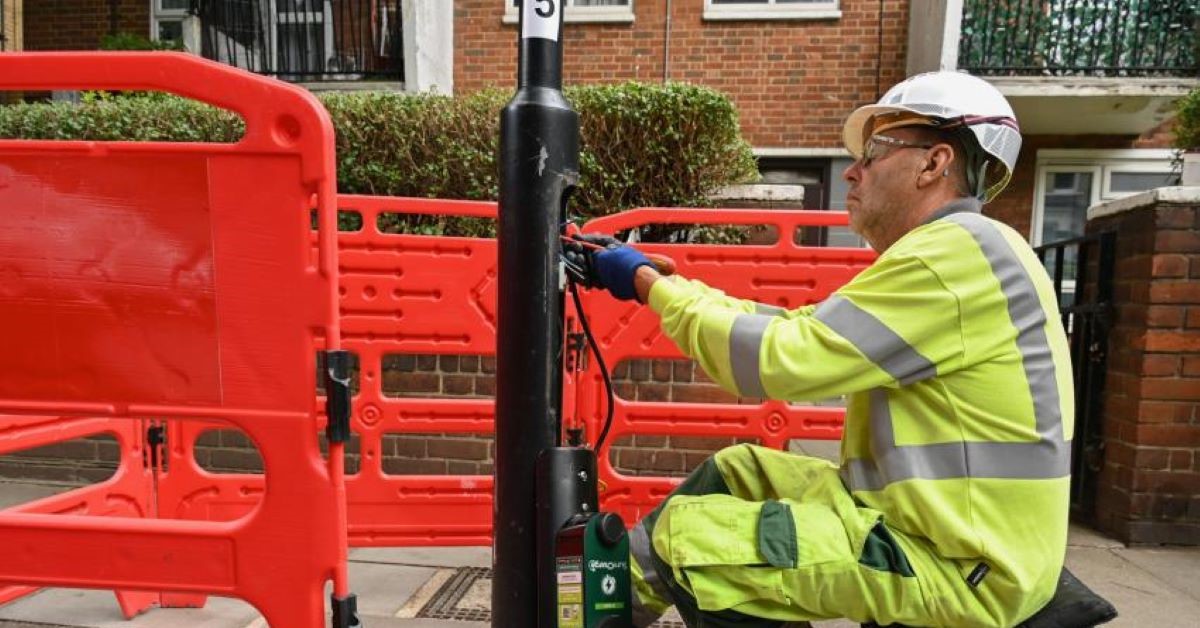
(949, 507)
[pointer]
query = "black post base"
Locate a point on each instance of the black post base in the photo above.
(345, 611)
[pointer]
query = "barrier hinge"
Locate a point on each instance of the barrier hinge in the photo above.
(155, 437)
(576, 351)
(337, 395)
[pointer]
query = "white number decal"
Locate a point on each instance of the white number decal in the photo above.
(540, 19)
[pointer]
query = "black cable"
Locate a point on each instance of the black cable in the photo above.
(608, 385)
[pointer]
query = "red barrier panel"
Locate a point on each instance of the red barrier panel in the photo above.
(128, 493)
(398, 294)
(783, 274)
(415, 294)
(178, 282)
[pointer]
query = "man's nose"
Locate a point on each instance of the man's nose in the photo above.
(853, 172)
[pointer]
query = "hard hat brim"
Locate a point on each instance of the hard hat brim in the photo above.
(852, 131)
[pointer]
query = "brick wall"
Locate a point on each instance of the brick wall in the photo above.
(1149, 487)
(45, 28)
(678, 381)
(792, 80)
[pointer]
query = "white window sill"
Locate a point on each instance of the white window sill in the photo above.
(712, 14)
(575, 17)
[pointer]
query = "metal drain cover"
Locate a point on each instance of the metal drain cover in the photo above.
(467, 596)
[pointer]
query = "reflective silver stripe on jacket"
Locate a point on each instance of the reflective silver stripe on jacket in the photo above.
(640, 548)
(745, 344)
(1049, 457)
(875, 340)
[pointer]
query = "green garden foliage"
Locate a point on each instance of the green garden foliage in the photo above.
(642, 145)
(1187, 122)
(134, 41)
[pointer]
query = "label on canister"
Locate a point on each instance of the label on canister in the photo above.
(569, 578)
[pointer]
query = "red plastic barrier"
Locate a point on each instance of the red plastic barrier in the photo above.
(128, 493)
(406, 294)
(416, 294)
(175, 281)
(783, 273)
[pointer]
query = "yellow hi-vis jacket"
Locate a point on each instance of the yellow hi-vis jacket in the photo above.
(960, 409)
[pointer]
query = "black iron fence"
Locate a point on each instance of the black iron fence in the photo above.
(3, 27)
(305, 40)
(1085, 297)
(1103, 38)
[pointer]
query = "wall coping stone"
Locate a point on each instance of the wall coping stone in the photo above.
(1149, 198)
(761, 192)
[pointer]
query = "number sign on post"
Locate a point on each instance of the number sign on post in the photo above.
(540, 19)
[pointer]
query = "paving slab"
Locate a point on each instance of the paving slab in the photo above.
(1142, 597)
(99, 609)
(1177, 567)
(383, 589)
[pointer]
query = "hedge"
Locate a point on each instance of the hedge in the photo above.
(1187, 122)
(642, 145)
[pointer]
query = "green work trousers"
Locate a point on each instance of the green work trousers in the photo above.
(759, 537)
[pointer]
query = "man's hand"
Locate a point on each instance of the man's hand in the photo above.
(601, 261)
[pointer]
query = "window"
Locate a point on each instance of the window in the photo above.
(582, 10)
(304, 37)
(290, 39)
(166, 19)
(772, 9)
(1070, 181)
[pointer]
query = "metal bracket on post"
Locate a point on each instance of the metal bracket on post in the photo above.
(577, 351)
(345, 611)
(337, 395)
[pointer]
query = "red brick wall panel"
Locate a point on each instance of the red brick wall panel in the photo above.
(1151, 476)
(81, 24)
(793, 81)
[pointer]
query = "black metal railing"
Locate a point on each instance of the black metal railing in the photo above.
(305, 40)
(1101, 38)
(1082, 270)
(3, 27)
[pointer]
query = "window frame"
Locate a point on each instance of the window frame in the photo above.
(774, 10)
(277, 18)
(159, 14)
(1102, 163)
(580, 15)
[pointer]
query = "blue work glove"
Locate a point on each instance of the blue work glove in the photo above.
(600, 261)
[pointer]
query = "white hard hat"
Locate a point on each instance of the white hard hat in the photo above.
(949, 101)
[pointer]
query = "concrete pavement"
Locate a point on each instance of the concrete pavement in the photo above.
(450, 587)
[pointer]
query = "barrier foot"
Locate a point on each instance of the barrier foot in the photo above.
(345, 611)
(134, 603)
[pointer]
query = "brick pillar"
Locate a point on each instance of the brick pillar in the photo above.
(1149, 487)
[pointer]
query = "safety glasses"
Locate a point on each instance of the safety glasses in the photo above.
(877, 146)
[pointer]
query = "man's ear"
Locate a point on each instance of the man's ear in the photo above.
(939, 161)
